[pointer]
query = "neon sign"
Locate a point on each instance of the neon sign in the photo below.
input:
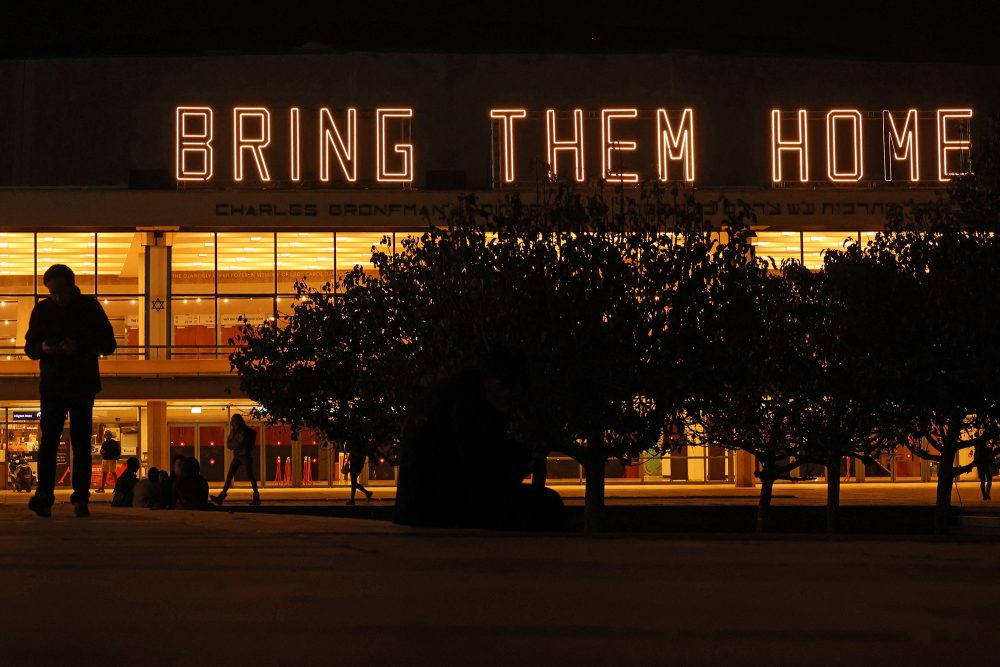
(615, 145)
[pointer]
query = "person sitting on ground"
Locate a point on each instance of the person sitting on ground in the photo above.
(168, 486)
(147, 491)
(466, 419)
(125, 486)
(190, 489)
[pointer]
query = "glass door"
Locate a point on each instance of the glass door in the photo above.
(205, 442)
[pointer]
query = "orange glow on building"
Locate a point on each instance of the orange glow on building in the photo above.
(610, 145)
(507, 157)
(255, 144)
(946, 145)
(833, 172)
(901, 145)
(575, 145)
(295, 136)
(799, 146)
(191, 145)
(405, 151)
(345, 151)
(675, 145)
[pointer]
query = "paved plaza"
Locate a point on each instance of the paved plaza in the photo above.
(222, 588)
(964, 495)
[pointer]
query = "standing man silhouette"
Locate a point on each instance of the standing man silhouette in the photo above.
(66, 334)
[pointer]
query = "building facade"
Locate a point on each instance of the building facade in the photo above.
(187, 192)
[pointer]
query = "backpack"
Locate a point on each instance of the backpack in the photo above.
(111, 450)
(242, 441)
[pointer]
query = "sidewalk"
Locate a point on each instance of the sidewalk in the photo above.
(966, 496)
(220, 588)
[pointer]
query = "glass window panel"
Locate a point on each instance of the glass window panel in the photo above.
(120, 263)
(779, 246)
(246, 262)
(315, 457)
(212, 451)
(192, 263)
(14, 315)
(814, 243)
(125, 315)
(75, 250)
(17, 263)
(355, 248)
(278, 445)
(255, 309)
(193, 331)
(259, 452)
(304, 255)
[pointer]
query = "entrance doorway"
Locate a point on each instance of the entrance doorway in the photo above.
(205, 442)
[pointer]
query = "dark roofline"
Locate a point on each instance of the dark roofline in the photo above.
(867, 31)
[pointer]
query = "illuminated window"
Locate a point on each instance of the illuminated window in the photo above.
(120, 259)
(17, 263)
(192, 263)
(17, 268)
(246, 262)
(815, 243)
(778, 246)
(307, 255)
(76, 250)
(356, 248)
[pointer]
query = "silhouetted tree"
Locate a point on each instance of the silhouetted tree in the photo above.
(582, 287)
(334, 364)
(757, 333)
(845, 408)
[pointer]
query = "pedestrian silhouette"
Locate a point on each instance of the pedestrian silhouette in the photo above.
(984, 461)
(67, 332)
(240, 441)
(357, 452)
(111, 451)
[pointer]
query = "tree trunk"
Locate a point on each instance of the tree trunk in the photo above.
(764, 504)
(593, 499)
(942, 505)
(832, 493)
(539, 471)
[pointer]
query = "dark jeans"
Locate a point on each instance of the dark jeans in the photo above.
(240, 459)
(81, 423)
(356, 471)
(985, 482)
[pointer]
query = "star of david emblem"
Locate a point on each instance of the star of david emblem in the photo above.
(157, 304)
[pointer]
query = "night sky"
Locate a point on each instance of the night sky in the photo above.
(945, 32)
